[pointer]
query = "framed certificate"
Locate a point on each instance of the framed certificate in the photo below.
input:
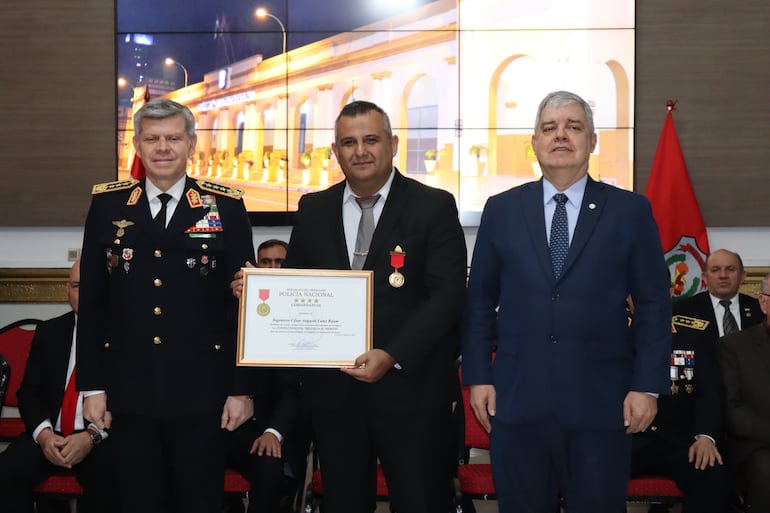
(304, 317)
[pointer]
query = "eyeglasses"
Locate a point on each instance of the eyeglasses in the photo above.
(764, 294)
(74, 284)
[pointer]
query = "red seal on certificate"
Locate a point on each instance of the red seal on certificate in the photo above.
(397, 258)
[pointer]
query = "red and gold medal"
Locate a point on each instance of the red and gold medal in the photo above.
(263, 308)
(397, 257)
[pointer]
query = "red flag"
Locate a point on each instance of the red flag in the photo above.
(682, 231)
(137, 167)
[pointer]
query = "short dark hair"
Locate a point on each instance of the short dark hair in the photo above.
(272, 242)
(361, 107)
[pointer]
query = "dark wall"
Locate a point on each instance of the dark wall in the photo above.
(57, 108)
(714, 57)
(57, 113)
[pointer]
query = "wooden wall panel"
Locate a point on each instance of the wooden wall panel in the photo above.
(713, 56)
(57, 108)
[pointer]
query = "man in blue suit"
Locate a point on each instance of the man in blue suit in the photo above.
(553, 264)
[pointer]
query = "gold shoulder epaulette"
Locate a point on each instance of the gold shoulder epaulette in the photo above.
(113, 186)
(690, 322)
(218, 188)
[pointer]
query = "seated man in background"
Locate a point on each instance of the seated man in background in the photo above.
(271, 253)
(745, 359)
(722, 306)
(681, 442)
(264, 449)
(56, 436)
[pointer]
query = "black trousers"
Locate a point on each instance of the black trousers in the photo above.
(705, 491)
(23, 465)
(410, 444)
(271, 479)
(170, 465)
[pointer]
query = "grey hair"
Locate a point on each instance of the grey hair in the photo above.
(562, 99)
(162, 108)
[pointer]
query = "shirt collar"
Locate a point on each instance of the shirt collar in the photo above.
(175, 190)
(574, 193)
(715, 300)
(349, 195)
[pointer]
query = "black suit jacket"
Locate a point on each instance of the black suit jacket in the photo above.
(158, 321)
(42, 388)
(745, 361)
(699, 306)
(417, 324)
(276, 405)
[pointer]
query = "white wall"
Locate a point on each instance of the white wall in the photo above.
(48, 248)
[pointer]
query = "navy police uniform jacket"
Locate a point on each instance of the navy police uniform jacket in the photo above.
(157, 318)
(695, 403)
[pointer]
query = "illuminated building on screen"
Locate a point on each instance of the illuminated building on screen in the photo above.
(462, 99)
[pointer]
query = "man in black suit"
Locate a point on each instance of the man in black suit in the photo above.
(48, 446)
(158, 324)
(394, 404)
(723, 275)
(264, 449)
(271, 253)
(683, 439)
(745, 358)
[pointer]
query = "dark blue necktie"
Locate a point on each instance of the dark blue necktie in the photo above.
(559, 234)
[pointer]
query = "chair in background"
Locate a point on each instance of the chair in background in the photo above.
(15, 341)
(5, 375)
(655, 490)
(65, 485)
(474, 479)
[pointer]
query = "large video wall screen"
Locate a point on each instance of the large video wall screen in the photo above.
(461, 80)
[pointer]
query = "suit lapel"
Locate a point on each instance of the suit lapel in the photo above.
(60, 353)
(745, 311)
(186, 215)
(137, 210)
(534, 214)
(591, 209)
(391, 213)
(337, 228)
(711, 316)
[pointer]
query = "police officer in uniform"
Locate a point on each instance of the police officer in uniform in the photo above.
(158, 324)
(683, 441)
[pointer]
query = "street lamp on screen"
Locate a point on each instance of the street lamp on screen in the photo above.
(170, 61)
(262, 12)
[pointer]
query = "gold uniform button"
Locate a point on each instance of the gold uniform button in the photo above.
(106, 345)
(157, 253)
(204, 246)
(116, 241)
(157, 310)
(157, 282)
(654, 428)
(217, 347)
(156, 341)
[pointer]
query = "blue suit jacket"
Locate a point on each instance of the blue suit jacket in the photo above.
(564, 347)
